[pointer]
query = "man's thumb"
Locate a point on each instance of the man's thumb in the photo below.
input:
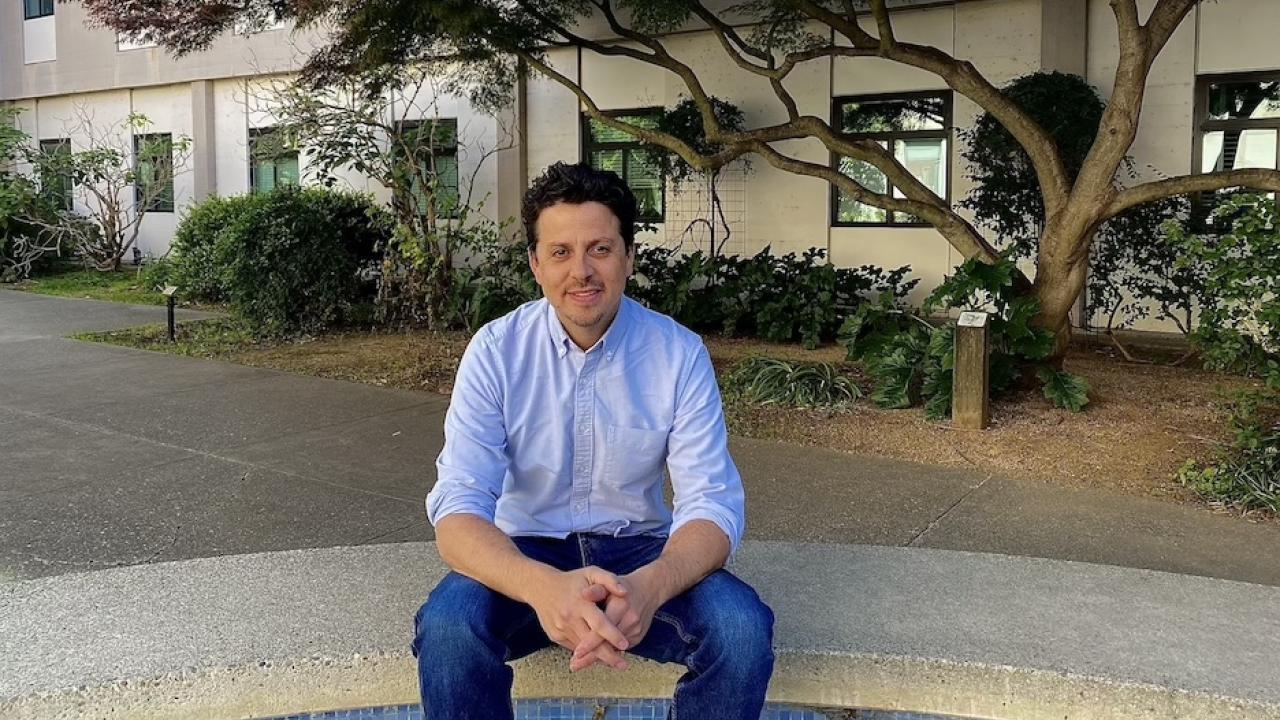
(595, 593)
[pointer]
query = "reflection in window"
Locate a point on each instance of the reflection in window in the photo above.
(915, 127)
(433, 144)
(32, 9)
(153, 171)
(1239, 121)
(273, 160)
(56, 184)
(614, 150)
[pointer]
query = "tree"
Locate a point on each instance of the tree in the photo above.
(119, 172)
(489, 40)
(22, 244)
(1131, 268)
(395, 136)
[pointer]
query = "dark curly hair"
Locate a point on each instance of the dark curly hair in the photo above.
(579, 183)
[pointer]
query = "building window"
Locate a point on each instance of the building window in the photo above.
(273, 160)
(56, 184)
(32, 9)
(433, 144)
(608, 149)
(915, 127)
(153, 171)
(1239, 118)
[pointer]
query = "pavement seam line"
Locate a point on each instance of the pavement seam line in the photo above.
(934, 523)
(215, 456)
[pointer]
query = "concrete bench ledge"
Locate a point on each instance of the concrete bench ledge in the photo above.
(937, 631)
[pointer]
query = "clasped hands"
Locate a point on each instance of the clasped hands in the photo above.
(596, 614)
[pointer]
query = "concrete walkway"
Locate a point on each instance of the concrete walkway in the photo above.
(966, 634)
(111, 457)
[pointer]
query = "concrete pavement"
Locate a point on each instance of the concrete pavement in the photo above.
(966, 634)
(111, 456)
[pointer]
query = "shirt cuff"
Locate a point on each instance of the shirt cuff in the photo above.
(444, 501)
(730, 525)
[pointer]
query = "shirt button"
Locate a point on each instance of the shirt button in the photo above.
(581, 506)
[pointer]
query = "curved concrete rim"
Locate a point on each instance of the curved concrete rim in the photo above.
(983, 636)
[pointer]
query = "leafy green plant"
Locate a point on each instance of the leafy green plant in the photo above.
(1239, 328)
(294, 262)
(198, 270)
(770, 381)
(779, 298)
(911, 359)
(1246, 474)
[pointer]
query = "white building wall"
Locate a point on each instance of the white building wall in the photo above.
(231, 137)
(1238, 36)
(39, 40)
(169, 110)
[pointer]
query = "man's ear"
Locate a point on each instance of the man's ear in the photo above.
(533, 259)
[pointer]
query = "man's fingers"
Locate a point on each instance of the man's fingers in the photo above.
(610, 581)
(594, 649)
(605, 627)
(588, 644)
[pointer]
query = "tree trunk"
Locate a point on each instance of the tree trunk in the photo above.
(1058, 284)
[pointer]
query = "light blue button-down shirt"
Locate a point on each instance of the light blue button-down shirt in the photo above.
(544, 439)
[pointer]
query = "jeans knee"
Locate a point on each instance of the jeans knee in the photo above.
(446, 630)
(743, 638)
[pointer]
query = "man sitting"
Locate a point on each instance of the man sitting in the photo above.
(548, 505)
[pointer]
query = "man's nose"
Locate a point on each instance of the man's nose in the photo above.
(581, 268)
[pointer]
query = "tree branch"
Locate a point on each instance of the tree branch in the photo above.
(1256, 179)
(960, 234)
(883, 25)
(964, 78)
(1164, 20)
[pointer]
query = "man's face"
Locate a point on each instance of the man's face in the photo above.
(582, 264)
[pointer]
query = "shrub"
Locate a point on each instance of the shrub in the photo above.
(294, 261)
(197, 270)
(1245, 475)
(1239, 328)
(911, 359)
(779, 298)
(494, 280)
(770, 381)
(156, 274)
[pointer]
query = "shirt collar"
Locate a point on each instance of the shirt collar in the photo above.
(609, 344)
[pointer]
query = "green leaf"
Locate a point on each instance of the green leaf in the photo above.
(1064, 390)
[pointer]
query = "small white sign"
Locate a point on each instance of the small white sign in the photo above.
(169, 290)
(973, 319)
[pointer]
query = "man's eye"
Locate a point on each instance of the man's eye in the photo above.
(559, 252)
(602, 249)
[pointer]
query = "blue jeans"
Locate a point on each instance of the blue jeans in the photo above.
(719, 629)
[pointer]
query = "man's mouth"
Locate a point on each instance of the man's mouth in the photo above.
(585, 296)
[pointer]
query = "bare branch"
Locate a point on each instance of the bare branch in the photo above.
(1256, 179)
(734, 46)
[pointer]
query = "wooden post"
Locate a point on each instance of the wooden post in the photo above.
(970, 396)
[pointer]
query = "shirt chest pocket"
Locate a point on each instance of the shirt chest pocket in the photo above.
(635, 457)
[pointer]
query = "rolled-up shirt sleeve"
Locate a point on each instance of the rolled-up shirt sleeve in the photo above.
(705, 481)
(471, 467)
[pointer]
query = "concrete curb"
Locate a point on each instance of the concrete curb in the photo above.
(889, 628)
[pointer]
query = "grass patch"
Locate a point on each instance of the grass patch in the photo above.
(217, 338)
(797, 383)
(126, 286)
